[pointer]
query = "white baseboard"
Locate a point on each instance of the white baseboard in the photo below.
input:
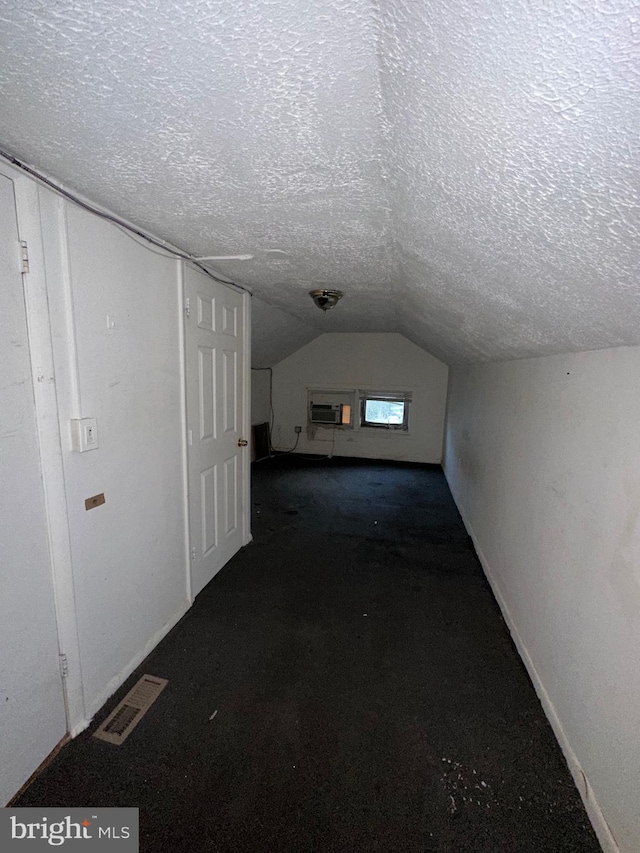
(594, 812)
(133, 664)
(79, 728)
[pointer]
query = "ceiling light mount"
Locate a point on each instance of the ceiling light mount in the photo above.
(326, 299)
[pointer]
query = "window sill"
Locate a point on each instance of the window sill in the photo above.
(382, 433)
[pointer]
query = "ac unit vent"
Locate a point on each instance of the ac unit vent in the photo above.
(326, 413)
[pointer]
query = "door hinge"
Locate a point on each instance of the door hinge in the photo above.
(64, 666)
(193, 553)
(187, 307)
(24, 256)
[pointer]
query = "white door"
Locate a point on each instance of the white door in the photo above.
(32, 709)
(216, 343)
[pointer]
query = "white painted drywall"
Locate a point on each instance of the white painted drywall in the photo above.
(260, 397)
(376, 361)
(128, 555)
(32, 710)
(543, 459)
(275, 333)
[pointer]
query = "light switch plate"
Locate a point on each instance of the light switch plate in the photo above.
(84, 434)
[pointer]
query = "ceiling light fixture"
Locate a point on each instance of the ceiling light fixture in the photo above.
(326, 299)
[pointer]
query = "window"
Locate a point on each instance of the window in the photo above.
(384, 411)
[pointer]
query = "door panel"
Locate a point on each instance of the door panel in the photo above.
(207, 391)
(32, 711)
(215, 338)
(230, 395)
(230, 494)
(209, 512)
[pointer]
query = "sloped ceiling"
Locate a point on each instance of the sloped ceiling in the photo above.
(276, 334)
(465, 170)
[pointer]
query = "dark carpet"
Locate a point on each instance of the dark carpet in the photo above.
(369, 697)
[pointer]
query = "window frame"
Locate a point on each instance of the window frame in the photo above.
(366, 396)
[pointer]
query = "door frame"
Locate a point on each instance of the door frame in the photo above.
(245, 485)
(246, 426)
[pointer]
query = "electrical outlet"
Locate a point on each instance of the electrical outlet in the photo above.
(298, 429)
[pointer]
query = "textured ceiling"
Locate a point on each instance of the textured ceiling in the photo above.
(465, 170)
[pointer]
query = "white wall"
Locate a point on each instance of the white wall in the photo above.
(260, 396)
(543, 459)
(275, 333)
(362, 361)
(32, 708)
(127, 556)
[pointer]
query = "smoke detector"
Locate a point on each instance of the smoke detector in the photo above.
(326, 299)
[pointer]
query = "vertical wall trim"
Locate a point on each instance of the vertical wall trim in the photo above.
(185, 426)
(37, 302)
(75, 398)
(445, 425)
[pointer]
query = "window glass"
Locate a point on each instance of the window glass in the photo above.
(384, 412)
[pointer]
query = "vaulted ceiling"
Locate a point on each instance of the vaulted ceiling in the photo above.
(467, 171)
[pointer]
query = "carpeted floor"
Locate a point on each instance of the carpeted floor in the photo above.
(369, 697)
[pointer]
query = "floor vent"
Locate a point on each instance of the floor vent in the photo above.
(126, 716)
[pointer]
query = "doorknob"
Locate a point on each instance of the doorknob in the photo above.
(242, 442)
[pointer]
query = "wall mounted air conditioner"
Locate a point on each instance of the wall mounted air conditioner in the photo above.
(326, 413)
